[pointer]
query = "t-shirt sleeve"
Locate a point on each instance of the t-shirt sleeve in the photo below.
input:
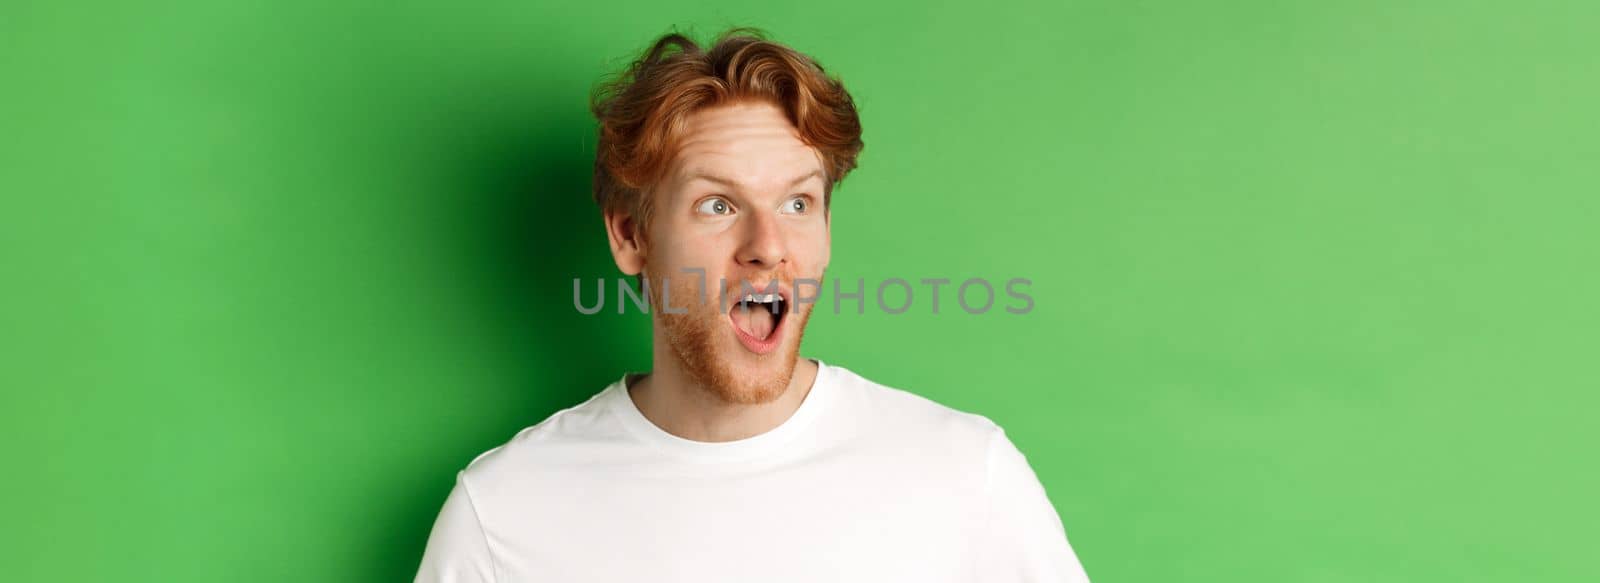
(1025, 540)
(458, 549)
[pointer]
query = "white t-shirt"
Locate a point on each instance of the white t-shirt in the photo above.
(862, 483)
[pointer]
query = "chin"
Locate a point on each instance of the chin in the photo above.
(724, 352)
(757, 380)
(711, 353)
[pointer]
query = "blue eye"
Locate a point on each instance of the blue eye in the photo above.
(714, 206)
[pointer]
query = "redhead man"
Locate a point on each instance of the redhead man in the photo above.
(734, 459)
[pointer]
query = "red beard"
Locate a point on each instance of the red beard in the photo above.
(701, 341)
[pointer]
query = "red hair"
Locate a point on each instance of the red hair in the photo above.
(642, 111)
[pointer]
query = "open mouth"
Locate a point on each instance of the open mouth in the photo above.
(757, 319)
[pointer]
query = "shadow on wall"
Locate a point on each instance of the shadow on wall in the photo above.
(532, 226)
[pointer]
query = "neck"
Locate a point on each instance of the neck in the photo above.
(680, 406)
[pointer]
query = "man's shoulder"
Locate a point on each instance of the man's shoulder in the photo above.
(911, 414)
(564, 438)
(917, 436)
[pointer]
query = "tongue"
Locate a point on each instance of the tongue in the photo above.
(755, 319)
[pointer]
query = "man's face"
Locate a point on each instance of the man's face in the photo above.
(743, 201)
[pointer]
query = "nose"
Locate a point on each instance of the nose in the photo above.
(763, 245)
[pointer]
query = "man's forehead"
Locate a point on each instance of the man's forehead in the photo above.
(743, 145)
(739, 120)
(744, 170)
(789, 177)
(737, 116)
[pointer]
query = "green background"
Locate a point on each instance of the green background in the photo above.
(1315, 280)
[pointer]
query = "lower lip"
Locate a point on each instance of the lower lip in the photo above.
(758, 345)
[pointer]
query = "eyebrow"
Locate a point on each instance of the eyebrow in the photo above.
(733, 183)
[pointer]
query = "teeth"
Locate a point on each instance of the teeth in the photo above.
(763, 298)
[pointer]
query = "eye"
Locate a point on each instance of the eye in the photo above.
(714, 206)
(796, 206)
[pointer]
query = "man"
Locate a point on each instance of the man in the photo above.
(734, 459)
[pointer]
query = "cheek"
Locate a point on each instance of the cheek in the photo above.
(811, 249)
(697, 247)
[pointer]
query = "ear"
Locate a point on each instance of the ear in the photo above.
(627, 247)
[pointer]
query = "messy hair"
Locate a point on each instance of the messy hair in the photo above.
(643, 110)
